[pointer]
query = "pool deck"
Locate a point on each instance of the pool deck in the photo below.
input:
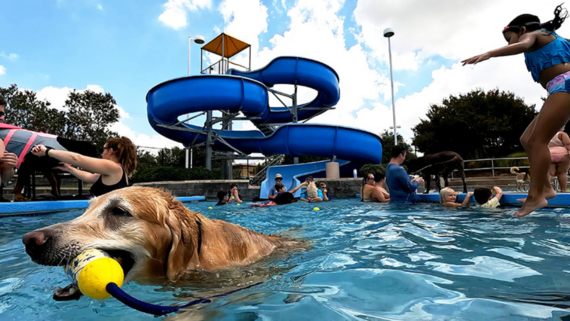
(44, 207)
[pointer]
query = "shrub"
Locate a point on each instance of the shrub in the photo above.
(164, 173)
(515, 162)
(371, 169)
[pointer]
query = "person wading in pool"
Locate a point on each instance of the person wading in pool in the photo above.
(402, 189)
(8, 161)
(273, 190)
(547, 57)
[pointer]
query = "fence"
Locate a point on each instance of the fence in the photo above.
(493, 167)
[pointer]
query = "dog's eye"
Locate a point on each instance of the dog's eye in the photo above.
(117, 211)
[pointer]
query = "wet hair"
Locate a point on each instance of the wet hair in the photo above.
(532, 22)
(310, 179)
(233, 185)
(221, 194)
(379, 176)
(443, 193)
(482, 195)
(279, 186)
(126, 152)
(3, 101)
(398, 150)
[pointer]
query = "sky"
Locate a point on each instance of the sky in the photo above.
(126, 47)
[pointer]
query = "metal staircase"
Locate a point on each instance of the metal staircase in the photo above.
(260, 176)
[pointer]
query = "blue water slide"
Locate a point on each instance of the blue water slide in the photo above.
(292, 174)
(303, 72)
(247, 92)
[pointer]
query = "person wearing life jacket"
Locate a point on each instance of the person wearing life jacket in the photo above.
(8, 160)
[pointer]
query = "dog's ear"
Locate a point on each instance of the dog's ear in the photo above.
(183, 251)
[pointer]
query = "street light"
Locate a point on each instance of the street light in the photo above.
(199, 40)
(388, 32)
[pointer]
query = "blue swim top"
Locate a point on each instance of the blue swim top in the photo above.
(554, 53)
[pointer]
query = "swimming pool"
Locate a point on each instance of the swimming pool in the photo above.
(369, 261)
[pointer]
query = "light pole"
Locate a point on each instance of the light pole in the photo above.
(199, 40)
(391, 127)
(388, 32)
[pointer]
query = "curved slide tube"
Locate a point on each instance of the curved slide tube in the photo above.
(247, 92)
(291, 175)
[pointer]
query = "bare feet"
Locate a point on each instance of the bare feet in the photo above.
(549, 193)
(530, 205)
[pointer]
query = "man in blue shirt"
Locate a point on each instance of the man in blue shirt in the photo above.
(402, 189)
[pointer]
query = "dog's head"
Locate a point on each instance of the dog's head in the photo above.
(149, 232)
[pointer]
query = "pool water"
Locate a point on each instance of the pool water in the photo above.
(368, 262)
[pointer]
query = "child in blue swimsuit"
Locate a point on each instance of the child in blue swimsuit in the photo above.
(547, 57)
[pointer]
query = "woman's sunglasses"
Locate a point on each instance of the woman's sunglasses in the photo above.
(2, 114)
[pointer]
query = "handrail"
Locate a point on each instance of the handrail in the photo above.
(492, 160)
(260, 176)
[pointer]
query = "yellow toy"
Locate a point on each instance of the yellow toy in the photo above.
(209, 207)
(316, 209)
(92, 270)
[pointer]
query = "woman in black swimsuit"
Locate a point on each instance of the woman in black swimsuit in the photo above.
(119, 160)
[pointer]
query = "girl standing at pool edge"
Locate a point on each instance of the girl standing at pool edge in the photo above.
(547, 57)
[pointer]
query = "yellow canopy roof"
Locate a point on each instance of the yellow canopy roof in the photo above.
(232, 46)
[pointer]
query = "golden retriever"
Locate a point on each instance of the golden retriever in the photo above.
(154, 237)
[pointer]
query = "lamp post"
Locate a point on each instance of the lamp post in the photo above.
(388, 33)
(392, 127)
(199, 40)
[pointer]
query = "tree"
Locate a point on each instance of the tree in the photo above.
(90, 115)
(145, 160)
(27, 111)
(388, 144)
(475, 125)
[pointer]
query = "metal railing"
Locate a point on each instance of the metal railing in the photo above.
(493, 167)
(260, 176)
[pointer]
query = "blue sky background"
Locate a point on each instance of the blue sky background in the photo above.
(125, 48)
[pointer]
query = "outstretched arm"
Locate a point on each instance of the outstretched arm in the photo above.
(297, 188)
(525, 43)
(82, 175)
(95, 165)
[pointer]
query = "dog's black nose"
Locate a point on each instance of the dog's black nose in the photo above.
(35, 241)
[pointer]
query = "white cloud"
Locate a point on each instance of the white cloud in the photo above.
(2, 70)
(174, 14)
(453, 30)
(11, 56)
(57, 96)
(245, 19)
(316, 32)
(139, 139)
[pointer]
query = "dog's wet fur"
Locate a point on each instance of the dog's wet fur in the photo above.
(155, 237)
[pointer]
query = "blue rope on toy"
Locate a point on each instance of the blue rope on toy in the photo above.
(139, 305)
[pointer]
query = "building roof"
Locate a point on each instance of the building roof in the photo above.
(232, 46)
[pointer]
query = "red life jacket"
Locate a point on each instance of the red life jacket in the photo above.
(20, 141)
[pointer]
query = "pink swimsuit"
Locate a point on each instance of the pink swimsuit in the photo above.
(557, 149)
